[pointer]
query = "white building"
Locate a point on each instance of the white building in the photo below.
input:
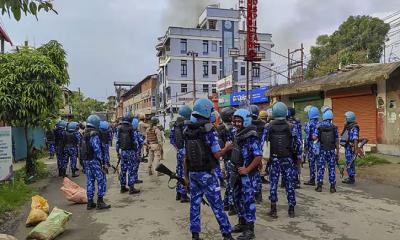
(216, 33)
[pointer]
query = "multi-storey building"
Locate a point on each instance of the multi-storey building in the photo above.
(216, 33)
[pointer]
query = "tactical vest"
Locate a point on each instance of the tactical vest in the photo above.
(260, 125)
(58, 137)
(104, 136)
(345, 136)
(178, 135)
(240, 137)
(86, 151)
(199, 154)
(70, 139)
(151, 135)
(125, 137)
(280, 138)
(326, 137)
(224, 135)
(50, 136)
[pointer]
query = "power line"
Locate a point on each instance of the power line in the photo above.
(391, 15)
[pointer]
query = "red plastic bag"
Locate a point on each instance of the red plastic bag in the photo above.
(73, 192)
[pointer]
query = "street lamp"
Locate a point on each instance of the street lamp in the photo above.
(194, 55)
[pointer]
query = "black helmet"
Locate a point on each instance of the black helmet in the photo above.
(254, 110)
(227, 113)
(291, 112)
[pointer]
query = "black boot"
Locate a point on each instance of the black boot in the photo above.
(133, 190)
(75, 174)
(291, 212)
(240, 227)
(232, 211)
(311, 182)
(349, 180)
(101, 204)
(138, 181)
(184, 198)
(259, 198)
(248, 232)
(318, 188)
(273, 212)
(196, 236)
(91, 205)
(178, 196)
(333, 188)
(227, 236)
(124, 189)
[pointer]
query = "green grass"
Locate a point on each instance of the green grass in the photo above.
(370, 160)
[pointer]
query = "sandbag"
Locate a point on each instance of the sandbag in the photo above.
(52, 227)
(73, 192)
(39, 211)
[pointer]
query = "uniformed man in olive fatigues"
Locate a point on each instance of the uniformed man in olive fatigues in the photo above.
(153, 140)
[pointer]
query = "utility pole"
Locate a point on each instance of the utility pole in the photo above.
(194, 55)
(295, 64)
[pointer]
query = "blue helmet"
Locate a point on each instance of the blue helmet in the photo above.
(203, 107)
(135, 123)
(127, 118)
(72, 126)
(245, 115)
(104, 125)
(350, 117)
(254, 111)
(185, 111)
(213, 117)
(61, 124)
(93, 121)
(279, 111)
(327, 115)
(313, 113)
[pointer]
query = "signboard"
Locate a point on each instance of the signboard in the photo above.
(224, 100)
(257, 96)
(6, 168)
(225, 83)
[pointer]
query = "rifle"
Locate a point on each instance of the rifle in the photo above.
(161, 168)
(116, 167)
(359, 153)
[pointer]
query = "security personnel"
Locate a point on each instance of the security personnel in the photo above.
(267, 117)
(81, 131)
(140, 140)
(176, 139)
(246, 158)
(71, 140)
(298, 146)
(106, 139)
(260, 129)
(218, 170)
(143, 126)
(50, 141)
(226, 133)
(128, 144)
(328, 136)
(311, 148)
(281, 136)
(202, 154)
(349, 139)
(90, 152)
(153, 140)
(58, 137)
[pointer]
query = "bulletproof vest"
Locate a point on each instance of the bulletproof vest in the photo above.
(327, 137)
(50, 136)
(240, 137)
(70, 139)
(151, 135)
(259, 124)
(224, 135)
(104, 136)
(125, 137)
(178, 135)
(86, 151)
(345, 137)
(280, 138)
(199, 153)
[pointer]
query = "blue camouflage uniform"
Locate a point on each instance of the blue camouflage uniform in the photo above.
(228, 197)
(180, 158)
(285, 166)
(94, 171)
(326, 156)
(207, 183)
(71, 153)
(311, 148)
(297, 145)
(354, 133)
(58, 135)
(244, 192)
(140, 142)
(105, 148)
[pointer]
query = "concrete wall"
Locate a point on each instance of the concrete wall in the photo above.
(18, 135)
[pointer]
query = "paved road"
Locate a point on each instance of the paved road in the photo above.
(365, 211)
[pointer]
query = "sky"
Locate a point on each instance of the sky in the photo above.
(114, 40)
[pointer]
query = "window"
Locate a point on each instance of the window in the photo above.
(205, 88)
(214, 46)
(183, 45)
(183, 68)
(205, 47)
(183, 88)
(153, 101)
(214, 70)
(243, 71)
(214, 88)
(205, 69)
(212, 24)
(256, 70)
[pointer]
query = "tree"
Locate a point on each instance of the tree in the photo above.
(359, 39)
(17, 7)
(30, 89)
(83, 106)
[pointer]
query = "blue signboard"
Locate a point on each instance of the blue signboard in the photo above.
(257, 96)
